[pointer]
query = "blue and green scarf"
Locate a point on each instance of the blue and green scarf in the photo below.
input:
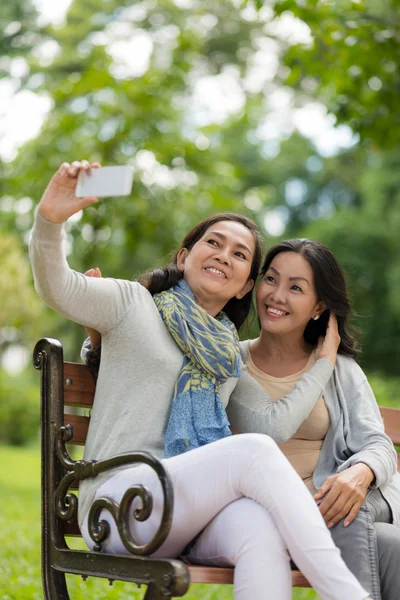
(212, 356)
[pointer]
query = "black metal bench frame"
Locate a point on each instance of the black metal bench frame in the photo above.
(164, 578)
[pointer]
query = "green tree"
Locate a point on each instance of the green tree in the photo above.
(187, 167)
(19, 33)
(352, 64)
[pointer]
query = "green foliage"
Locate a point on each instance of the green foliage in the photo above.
(19, 32)
(18, 302)
(362, 247)
(386, 389)
(19, 408)
(186, 169)
(352, 65)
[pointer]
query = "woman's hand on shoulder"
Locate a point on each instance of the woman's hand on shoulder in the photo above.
(328, 345)
(59, 202)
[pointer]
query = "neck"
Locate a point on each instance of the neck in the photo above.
(209, 305)
(282, 347)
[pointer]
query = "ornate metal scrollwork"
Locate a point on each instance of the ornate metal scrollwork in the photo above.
(38, 359)
(99, 530)
(66, 503)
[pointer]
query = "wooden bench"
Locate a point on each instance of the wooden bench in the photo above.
(66, 387)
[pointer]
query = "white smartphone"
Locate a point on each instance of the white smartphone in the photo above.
(105, 182)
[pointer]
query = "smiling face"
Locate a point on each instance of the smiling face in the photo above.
(286, 297)
(217, 268)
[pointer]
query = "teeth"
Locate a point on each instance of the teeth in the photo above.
(215, 271)
(275, 311)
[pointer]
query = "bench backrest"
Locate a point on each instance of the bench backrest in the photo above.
(79, 388)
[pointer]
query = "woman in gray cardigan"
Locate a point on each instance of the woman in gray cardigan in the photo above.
(339, 448)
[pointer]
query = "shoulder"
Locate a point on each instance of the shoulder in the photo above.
(134, 288)
(130, 294)
(244, 350)
(348, 371)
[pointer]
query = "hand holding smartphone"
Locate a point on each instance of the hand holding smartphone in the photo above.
(105, 182)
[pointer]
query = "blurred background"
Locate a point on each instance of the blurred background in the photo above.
(286, 111)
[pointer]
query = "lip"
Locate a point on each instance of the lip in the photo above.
(272, 315)
(217, 275)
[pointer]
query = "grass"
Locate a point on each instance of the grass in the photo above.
(20, 574)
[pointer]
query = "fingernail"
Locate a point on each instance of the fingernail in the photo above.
(330, 525)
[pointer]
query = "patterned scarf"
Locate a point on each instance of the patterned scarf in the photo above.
(212, 356)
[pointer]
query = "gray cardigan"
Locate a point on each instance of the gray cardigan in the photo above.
(356, 432)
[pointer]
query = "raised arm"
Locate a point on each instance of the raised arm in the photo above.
(93, 302)
(252, 410)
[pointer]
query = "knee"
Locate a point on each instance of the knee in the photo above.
(257, 442)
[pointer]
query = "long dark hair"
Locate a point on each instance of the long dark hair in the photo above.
(330, 286)
(162, 279)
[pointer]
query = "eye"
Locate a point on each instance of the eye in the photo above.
(212, 242)
(269, 279)
(240, 255)
(296, 288)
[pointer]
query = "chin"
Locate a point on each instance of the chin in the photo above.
(273, 326)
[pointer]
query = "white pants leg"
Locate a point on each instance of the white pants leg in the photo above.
(207, 479)
(243, 535)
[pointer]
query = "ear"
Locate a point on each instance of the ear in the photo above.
(246, 289)
(319, 309)
(183, 253)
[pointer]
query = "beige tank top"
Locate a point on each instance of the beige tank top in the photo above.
(303, 449)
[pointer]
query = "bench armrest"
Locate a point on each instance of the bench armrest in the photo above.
(66, 503)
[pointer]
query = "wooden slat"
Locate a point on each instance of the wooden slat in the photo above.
(391, 419)
(298, 580)
(79, 391)
(80, 426)
(203, 574)
(79, 385)
(71, 529)
(200, 573)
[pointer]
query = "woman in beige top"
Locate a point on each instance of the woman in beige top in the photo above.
(340, 450)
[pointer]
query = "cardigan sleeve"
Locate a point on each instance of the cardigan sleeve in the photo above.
(252, 410)
(99, 303)
(365, 436)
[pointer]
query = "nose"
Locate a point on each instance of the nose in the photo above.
(278, 295)
(223, 255)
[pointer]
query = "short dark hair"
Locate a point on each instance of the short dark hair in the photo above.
(330, 286)
(162, 279)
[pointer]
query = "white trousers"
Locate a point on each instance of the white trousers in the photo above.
(249, 504)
